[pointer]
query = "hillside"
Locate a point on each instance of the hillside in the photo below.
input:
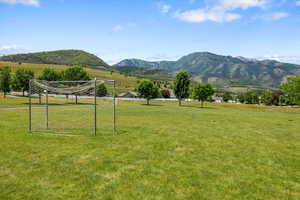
(123, 83)
(224, 71)
(147, 64)
(60, 57)
(142, 72)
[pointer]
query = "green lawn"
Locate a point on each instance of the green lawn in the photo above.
(161, 151)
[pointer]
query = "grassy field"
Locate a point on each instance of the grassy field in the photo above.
(162, 151)
(123, 83)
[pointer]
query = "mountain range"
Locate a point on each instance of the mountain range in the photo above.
(221, 71)
(224, 71)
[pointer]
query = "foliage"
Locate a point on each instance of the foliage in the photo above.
(251, 98)
(76, 73)
(292, 89)
(181, 85)
(267, 97)
(227, 97)
(5, 80)
(60, 57)
(278, 98)
(22, 78)
(50, 74)
(101, 90)
(123, 84)
(241, 98)
(165, 93)
(202, 91)
(148, 90)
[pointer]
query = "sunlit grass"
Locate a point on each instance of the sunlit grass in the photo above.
(161, 151)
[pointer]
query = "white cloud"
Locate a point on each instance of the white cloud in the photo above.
(270, 16)
(222, 11)
(12, 49)
(164, 8)
(202, 15)
(278, 15)
(117, 28)
(243, 4)
(25, 2)
(298, 3)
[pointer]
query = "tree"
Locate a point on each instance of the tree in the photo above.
(292, 89)
(22, 78)
(181, 85)
(50, 74)
(5, 80)
(267, 97)
(101, 90)
(146, 89)
(241, 98)
(227, 97)
(277, 98)
(251, 98)
(165, 93)
(76, 73)
(202, 92)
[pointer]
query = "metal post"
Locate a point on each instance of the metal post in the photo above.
(29, 103)
(46, 109)
(114, 107)
(95, 108)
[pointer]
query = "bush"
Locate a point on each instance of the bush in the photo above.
(165, 93)
(101, 90)
(227, 97)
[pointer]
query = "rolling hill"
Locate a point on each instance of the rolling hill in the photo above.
(59, 57)
(123, 83)
(224, 71)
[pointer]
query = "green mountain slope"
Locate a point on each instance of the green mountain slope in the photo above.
(142, 72)
(225, 71)
(60, 57)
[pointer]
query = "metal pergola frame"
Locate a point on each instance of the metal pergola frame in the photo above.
(95, 103)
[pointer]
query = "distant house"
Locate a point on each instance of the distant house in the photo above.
(129, 94)
(172, 95)
(217, 99)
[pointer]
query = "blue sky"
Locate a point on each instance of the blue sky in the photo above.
(153, 30)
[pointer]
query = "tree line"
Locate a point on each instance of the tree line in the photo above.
(182, 89)
(20, 80)
(289, 93)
